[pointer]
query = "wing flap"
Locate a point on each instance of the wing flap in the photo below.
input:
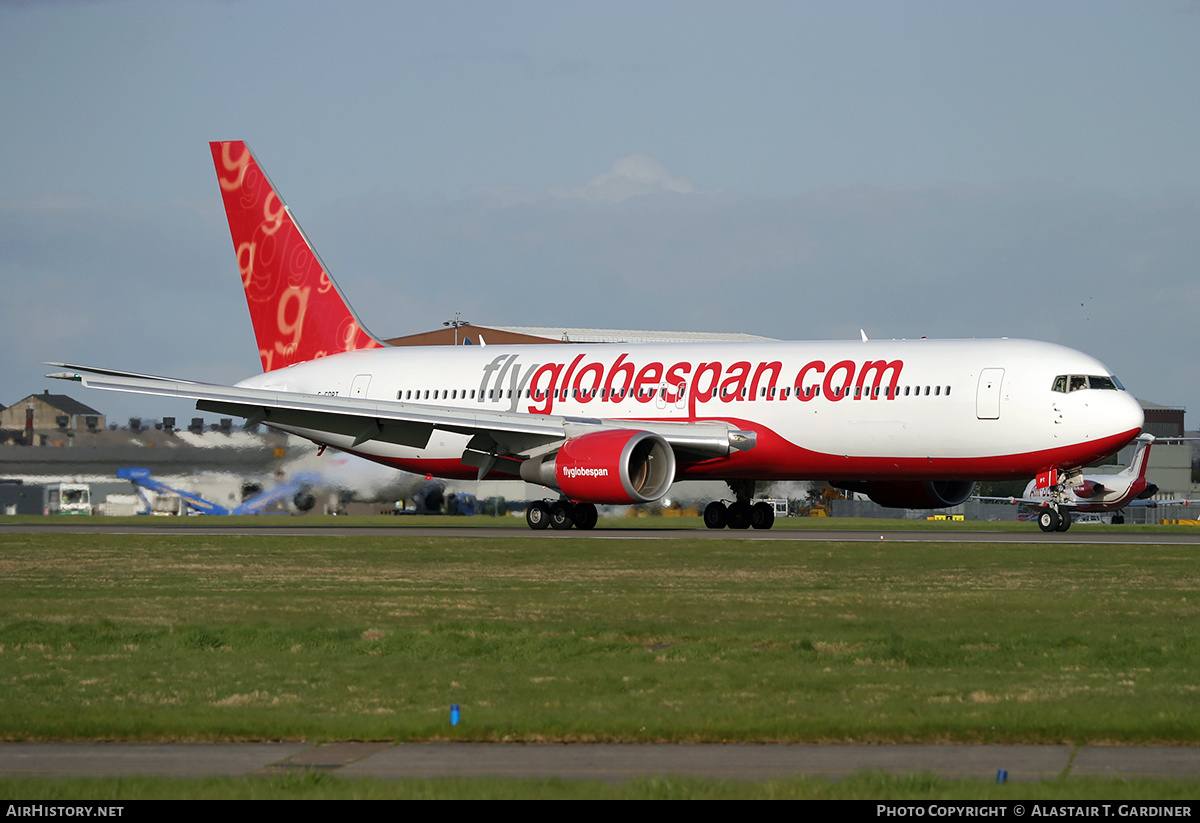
(401, 432)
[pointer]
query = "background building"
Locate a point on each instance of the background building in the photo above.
(46, 413)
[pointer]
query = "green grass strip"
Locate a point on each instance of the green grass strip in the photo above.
(252, 637)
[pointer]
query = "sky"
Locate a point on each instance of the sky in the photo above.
(798, 170)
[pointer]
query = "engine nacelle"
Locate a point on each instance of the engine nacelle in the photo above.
(1089, 488)
(912, 494)
(612, 466)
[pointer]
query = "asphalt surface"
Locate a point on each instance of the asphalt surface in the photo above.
(282, 526)
(603, 762)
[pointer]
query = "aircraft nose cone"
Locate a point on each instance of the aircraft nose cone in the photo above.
(1122, 414)
(1131, 413)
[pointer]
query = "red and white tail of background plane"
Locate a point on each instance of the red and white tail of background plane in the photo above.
(1054, 498)
(911, 423)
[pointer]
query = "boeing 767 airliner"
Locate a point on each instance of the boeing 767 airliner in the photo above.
(910, 423)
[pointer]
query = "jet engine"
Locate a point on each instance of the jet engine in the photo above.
(618, 466)
(1089, 488)
(912, 494)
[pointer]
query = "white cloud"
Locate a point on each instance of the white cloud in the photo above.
(631, 176)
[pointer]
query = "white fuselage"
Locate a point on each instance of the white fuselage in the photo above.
(909, 409)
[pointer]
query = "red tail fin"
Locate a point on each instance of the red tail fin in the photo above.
(297, 310)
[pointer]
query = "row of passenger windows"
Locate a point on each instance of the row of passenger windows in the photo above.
(1074, 382)
(649, 394)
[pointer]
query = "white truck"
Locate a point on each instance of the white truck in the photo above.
(67, 498)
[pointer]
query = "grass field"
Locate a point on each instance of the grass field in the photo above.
(174, 637)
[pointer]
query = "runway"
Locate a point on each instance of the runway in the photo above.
(289, 528)
(601, 762)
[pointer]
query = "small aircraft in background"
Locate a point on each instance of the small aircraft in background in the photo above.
(343, 478)
(1053, 499)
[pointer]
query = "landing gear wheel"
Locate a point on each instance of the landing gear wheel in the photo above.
(715, 515)
(1064, 521)
(1118, 519)
(585, 516)
(1048, 520)
(762, 515)
(739, 515)
(561, 515)
(537, 515)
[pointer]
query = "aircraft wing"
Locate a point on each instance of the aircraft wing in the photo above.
(109, 372)
(1161, 504)
(1026, 501)
(1037, 502)
(494, 433)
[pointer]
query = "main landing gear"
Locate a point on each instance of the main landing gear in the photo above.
(1051, 519)
(741, 514)
(561, 514)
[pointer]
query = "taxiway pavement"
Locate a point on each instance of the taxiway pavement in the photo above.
(281, 526)
(601, 761)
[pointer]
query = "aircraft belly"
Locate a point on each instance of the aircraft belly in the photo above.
(899, 449)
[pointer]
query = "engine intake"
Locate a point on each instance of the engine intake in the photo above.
(614, 466)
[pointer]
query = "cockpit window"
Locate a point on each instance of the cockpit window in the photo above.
(1074, 382)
